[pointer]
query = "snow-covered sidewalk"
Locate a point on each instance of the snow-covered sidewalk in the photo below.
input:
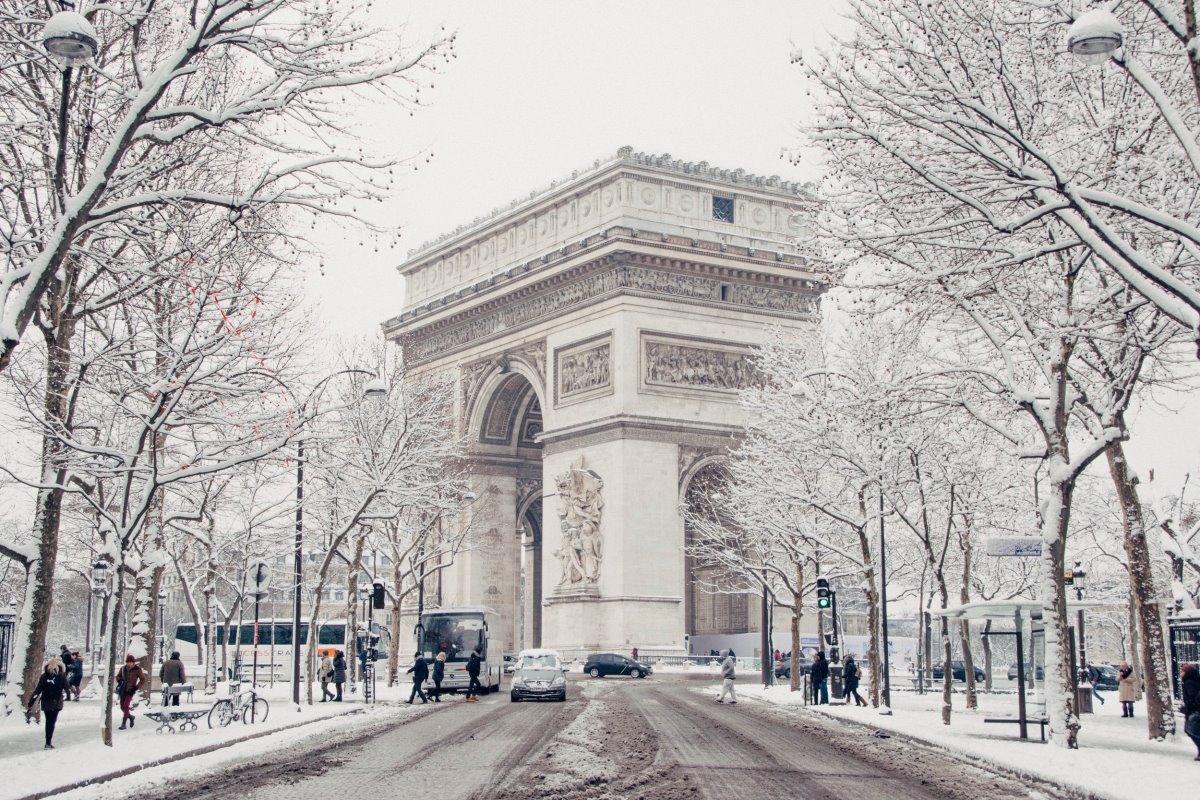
(1114, 760)
(79, 756)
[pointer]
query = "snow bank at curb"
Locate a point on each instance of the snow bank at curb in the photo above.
(1114, 760)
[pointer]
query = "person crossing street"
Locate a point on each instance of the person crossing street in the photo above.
(475, 688)
(420, 673)
(728, 676)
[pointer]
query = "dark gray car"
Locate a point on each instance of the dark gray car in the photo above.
(538, 675)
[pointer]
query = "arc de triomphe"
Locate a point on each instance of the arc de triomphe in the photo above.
(600, 330)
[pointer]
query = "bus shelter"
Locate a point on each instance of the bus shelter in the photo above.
(1020, 611)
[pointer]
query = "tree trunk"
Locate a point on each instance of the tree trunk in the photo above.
(964, 628)
(1160, 715)
(110, 649)
(873, 621)
(947, 672)
(797, 611)
(987, 655)
(352, 606)
(1060, 706)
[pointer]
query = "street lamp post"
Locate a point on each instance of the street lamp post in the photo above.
(162, 627)
(1080, 578)
(887, 681)
(8, 620)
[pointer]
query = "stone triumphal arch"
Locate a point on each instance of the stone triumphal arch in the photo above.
(600, 331)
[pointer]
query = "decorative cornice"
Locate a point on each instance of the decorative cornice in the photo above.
(648, 429)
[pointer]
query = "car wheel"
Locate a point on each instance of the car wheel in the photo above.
(594, 672)
(514, 698)
(635, 673)
(562, 698)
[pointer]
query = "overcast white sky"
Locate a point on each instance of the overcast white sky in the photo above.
(543, 87)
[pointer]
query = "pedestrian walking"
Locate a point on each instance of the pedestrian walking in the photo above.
(51, 690)
(1094, 677)
(820, 679)
(130, 678)
(634, 654)
(728, 676)
(339, 673)
(439, 672)
(1189, 684)
(172, 673)
(420, 673)
(75, 676)
(474, 688)
(850, 677)
(64, 654)
(325, 675)
(1129, 690)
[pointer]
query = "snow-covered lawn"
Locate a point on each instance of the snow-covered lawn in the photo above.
(1114, 760)
(78, 754)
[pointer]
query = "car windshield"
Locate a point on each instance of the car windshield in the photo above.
(543, 661)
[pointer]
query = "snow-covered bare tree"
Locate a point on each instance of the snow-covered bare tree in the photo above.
(96, 150)
(379, 461)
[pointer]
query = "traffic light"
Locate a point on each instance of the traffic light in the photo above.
(377, 596)
(822, 593)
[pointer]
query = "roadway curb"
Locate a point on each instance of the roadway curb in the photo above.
(121, 773)
(992, 765)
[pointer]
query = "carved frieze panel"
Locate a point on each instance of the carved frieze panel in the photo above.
(675, 363)
(583, 370)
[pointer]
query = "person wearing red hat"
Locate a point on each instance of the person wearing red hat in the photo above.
(130, 678)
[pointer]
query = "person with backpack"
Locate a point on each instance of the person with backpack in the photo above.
(474, 689)
(439, 672)
(420, 672)
(130, 678)
(850, 677)
(51, 689)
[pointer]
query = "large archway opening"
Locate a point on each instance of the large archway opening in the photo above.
(718, 611)
(507, 459)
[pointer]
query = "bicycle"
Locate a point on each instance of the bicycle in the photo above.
(246, 706)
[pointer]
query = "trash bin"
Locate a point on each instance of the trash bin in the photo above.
(1083, 699)
(835, 684)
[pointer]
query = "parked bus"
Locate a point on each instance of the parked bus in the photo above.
(456, 632)
(274, 646)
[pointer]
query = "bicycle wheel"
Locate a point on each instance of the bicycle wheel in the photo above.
(256, 712)
(221, 714)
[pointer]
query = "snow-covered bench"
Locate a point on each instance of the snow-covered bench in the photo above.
(177, 690)
(1040, 721)
(185, 717)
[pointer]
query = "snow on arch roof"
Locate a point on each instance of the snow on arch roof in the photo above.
(1007, 609)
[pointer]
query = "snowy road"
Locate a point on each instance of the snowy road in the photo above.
(613, 739)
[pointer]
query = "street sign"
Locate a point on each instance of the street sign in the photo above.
(1019, 546)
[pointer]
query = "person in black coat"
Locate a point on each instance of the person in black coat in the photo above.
(1190, 691)
(339, 673)
(850, 676)
(51, 690)
(820, 679)
(439, 672)
(74, 677)
(475, 688)
(420, 673)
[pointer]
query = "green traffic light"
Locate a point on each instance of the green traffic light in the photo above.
(822, 602)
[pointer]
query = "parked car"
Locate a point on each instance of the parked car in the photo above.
(783, 667)
(538, 675)
(510, 663)
(1029, 672)
(958, 672)
(600, 664)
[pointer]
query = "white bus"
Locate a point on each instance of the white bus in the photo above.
(456, 632)
(274, 646)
